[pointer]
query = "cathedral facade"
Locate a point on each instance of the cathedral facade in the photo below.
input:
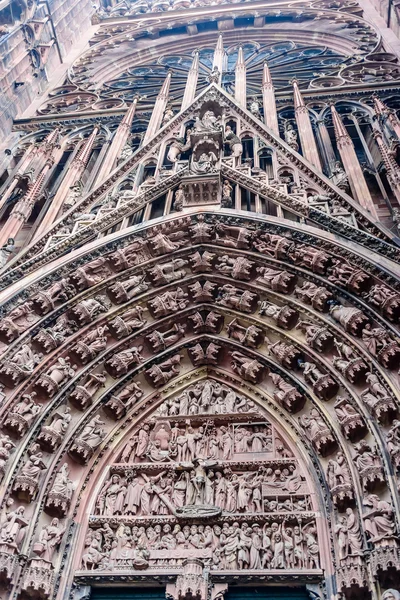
(200, 300)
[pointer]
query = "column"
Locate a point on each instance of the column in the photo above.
(240, 79)
(158, 110)
(219, 57)
(386, 114)
(392, 168)
(191, 83)
(72, 175)
(23, 208)
(326, 145)
(118, 142)
(268, 92)
(351, 165)
(306, 134)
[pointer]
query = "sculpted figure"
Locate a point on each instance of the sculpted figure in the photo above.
(286, 394)
(205, 163)
(129, 321)
(237, 268)
(22, 414)
(52, 337)
(273, 245)
(369, 465)
(378, 398)
(51, 435)
(91, 274)
(83, 395)
(208, 355)
(203, 292)
(317, 336)
(161, 341)
(201, 262)
(88, 310)
(120, 363)
(339, 177)
(255, 107)
(178, 146)
(378, 522)
(123, 291)
(168, 303)
(165, 244)
(179, 198)
(91, 344)
(26, 482)
(347, 276)
(9, 248)
(381, 344)
(339, 479)
(310, 293)
(6, 447)
(209, 122)
(291, 136)
(91, 437)
(284, 316)
(233, 237)
(134, 254)
(162, 373)
(227, 189)
(277, 280)
(210, 322)
(49, 540)
(386, 300)
(323, 385)
(57, 374)
(285, 354)
(235, 298)
(310, 258)
(165, 273)
(249, 369)
(117, 406)
(13, 526)
(349, 419)
(17, 321)
(20, 366)
(235, 144)
(248, 336)
(316, 430)
(60, 494)
(60, 291)
(350, 318)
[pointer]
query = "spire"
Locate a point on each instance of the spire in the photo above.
(130, 113)
(164, 91)
(387, 115)
(35, 188)
(298, 98)
(219, 55)
(240, 79)
(86, 148)
(342, 137)
(266, 77)
(191, 83)
(380, 107)
(391, 166)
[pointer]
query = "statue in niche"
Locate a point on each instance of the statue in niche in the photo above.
(249, 369)
(162, 373)
(237, 268)
(317, 431)
(131, 255)
(123, 291)
(129, 321)
(52, 337)
(91, 274)
(88, 310)
(208, 123)
(206, 163)
(232, 297)
(22, 414)
(165, 244)
(235, 144)
(83, 395)
(339, 177)
(21, 365)
(233, 237)
(254, 107)
(8, 249)
(178, 146)
(351, 319)
(227, 189)
(60, 494)
(13, 525)
(49, 539)
(310, 293)
(349, 418)
(349, 535)
(339, 479)
(57, 374)
(91, 344)
(165, 273)
(378, 399)
(381, 344)
(6, 447)
(120, 363)
(117, 406)
(18, 321)
(284, 316)
(343, 274)
(385, 299)
(179, 198)
(88, 440)
(27, 481)
(168, 303)
(60, 291)
(277, 280)
(51, 436)
(291, 137)
(379, 523)
(273, 245)
(251, 336)
(368, 464)
(286, 394)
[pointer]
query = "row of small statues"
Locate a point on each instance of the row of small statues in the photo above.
(142, 494)
(234, 546)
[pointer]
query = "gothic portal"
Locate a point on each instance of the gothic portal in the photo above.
(200, 300)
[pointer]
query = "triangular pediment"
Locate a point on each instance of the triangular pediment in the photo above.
(243, 176)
